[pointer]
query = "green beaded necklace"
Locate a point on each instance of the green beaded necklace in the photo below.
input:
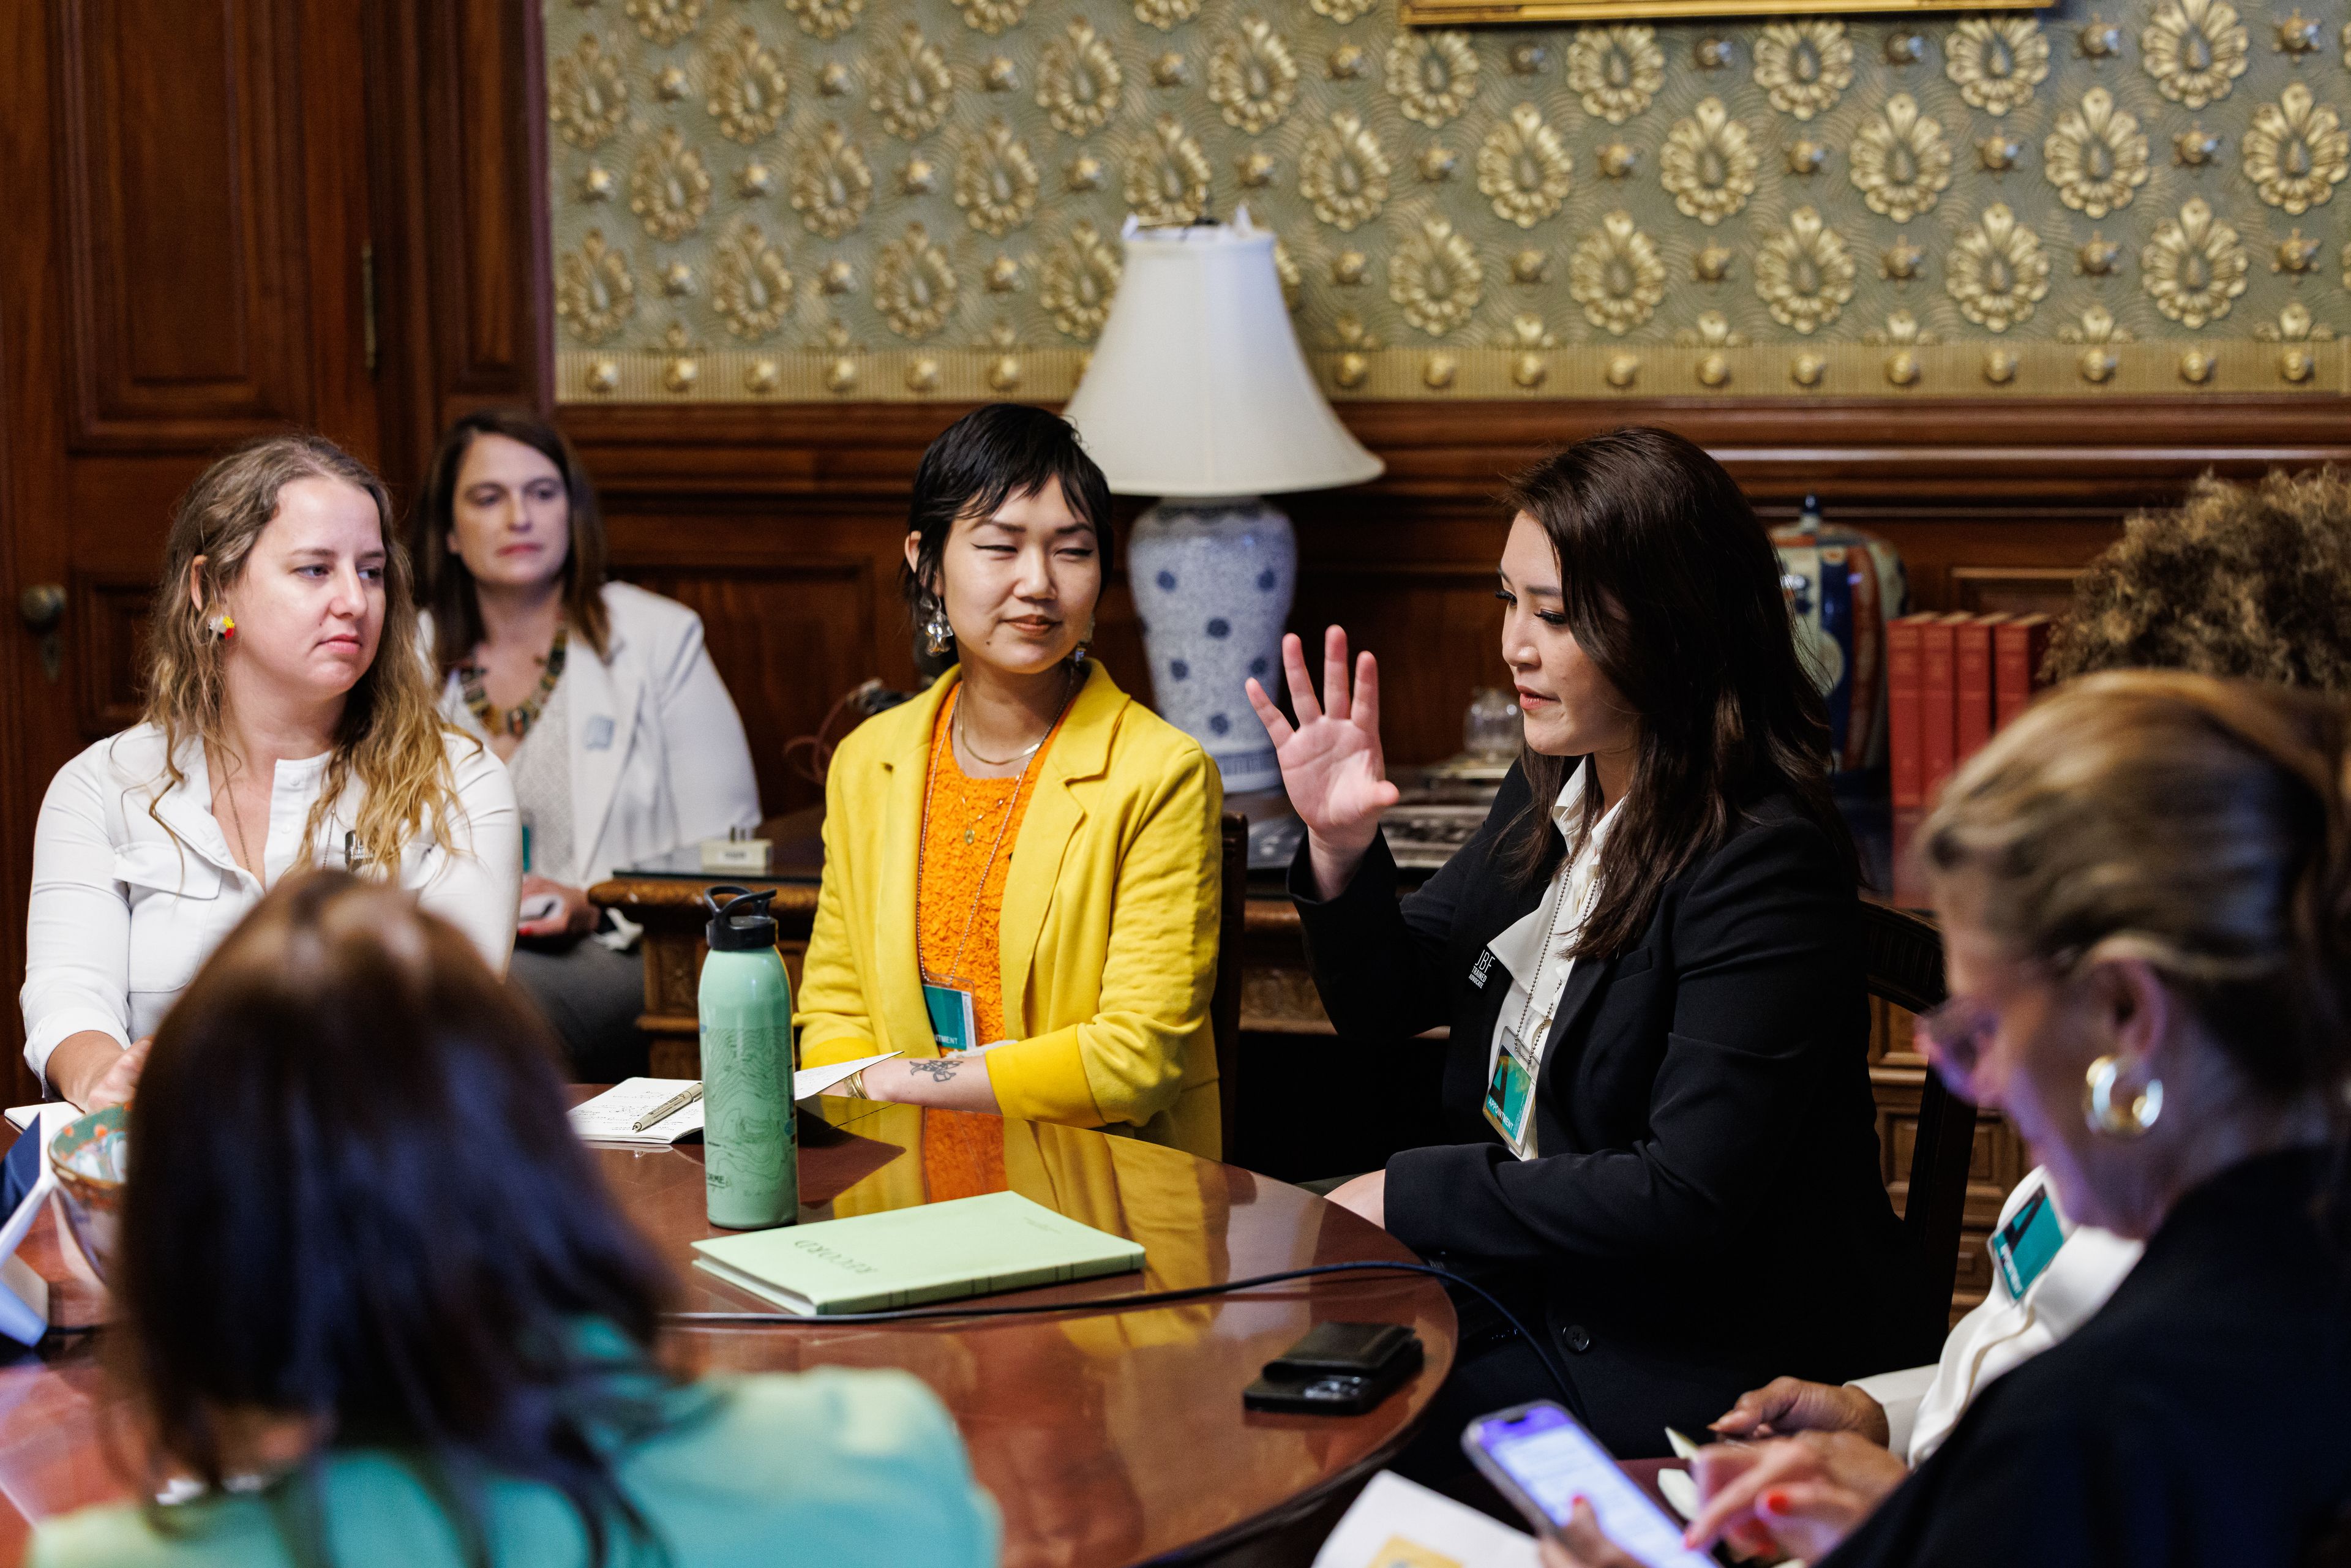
(515, 721)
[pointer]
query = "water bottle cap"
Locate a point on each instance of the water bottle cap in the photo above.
(740, 924)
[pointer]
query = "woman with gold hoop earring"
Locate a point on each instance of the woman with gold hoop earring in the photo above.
(1021, 869)
(2145, 890)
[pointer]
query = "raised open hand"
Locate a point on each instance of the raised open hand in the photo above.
(1331, 760)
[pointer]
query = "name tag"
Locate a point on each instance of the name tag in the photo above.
(1511, 1095)
(2023, 1246)
(599, 733)
(953, 1023)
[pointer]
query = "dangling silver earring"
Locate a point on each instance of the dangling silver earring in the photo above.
(1084, 650)
(937, 635)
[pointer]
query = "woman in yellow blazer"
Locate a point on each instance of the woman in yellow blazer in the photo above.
(1021, 871)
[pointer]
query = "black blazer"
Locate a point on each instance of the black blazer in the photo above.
(1708, 1212)
(2197, 1418)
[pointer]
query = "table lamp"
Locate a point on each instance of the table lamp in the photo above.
(1197, 394)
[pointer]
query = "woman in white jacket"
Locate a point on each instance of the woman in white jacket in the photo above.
(275, 738)
(600, 698)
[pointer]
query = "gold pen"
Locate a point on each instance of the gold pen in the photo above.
(668, 1108)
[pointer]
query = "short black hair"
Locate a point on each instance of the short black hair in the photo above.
(991, 455)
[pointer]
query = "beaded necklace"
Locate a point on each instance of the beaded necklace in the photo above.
(515, 721)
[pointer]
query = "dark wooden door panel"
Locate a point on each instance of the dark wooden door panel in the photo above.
(109, 614)
(180, 164)
(787, 639)
(1435, 628)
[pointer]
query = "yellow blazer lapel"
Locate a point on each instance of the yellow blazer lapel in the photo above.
(1081, 753)
(897, 939)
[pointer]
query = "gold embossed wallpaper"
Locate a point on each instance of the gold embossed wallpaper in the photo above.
(827, 200)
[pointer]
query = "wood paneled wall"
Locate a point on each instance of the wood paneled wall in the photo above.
(785, 525)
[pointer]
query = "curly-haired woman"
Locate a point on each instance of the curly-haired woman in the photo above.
(2246, 581)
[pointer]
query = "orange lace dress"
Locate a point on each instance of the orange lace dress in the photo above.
(959, 906)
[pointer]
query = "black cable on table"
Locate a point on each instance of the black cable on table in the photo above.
(1138, 1299)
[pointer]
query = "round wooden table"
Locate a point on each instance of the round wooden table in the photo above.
(1107, 1437)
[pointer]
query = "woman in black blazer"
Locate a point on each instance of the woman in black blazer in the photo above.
(1664, 1154)
(2145, 888)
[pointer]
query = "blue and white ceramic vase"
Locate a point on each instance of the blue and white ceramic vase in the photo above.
(1212, 579)
(1843, 585)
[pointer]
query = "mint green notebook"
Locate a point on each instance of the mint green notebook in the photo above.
(904, 1257)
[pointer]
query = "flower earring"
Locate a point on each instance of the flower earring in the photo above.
(2104, 1116)
(937, 635)
(222, 625)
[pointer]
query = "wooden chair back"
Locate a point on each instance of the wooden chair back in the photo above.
(1225, 1002)
(1905, 966)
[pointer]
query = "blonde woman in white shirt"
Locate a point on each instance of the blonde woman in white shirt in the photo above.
(275, 736)
(600, 698)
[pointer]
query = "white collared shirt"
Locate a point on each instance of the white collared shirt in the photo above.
(2002, 1332)
(1539, 973)
(126, 903)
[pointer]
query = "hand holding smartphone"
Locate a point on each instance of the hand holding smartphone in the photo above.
(1543, 1459)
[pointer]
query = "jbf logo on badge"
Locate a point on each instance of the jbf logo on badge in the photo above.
(1478, 971)
(2023, 1246)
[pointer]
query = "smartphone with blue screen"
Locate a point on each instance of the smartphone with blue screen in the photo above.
(1543, 1459)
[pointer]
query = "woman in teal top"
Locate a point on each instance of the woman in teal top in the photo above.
(375, 1300)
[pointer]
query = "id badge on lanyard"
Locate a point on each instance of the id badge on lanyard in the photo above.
(953, 1022)
(1510, 1094)
(2023, 1246)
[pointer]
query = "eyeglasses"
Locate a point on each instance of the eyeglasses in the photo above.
(1952, 1037)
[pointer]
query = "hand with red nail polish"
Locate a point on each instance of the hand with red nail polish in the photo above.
(1793, 1497)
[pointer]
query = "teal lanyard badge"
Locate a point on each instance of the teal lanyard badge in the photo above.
(2023, 1246)
(952, 1020)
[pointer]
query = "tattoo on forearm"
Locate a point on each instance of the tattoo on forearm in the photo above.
(939, 1070)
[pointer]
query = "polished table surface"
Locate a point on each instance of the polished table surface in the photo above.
(1106, 1437)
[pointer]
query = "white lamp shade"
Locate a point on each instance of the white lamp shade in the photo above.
(1198, 387)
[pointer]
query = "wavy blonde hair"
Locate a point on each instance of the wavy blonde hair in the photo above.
(2201, 825)
(390, 738)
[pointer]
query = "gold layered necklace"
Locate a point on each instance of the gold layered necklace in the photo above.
(962, 735)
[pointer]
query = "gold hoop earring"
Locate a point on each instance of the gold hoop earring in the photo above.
(2113, 1121)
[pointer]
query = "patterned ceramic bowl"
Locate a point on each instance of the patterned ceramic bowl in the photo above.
(91, 1156)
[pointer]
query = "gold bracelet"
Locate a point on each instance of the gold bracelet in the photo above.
(857, 1085)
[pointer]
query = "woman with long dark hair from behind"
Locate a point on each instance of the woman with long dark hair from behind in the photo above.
(375, 1298)
(1656, 1083)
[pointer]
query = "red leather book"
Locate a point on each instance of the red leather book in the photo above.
(1906, 752)
(1971, 665)
(2018, 644)
(1939, 699)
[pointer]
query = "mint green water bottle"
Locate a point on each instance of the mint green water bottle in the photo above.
(751, 1157)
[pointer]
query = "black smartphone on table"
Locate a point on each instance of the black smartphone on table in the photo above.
(1338, 1369)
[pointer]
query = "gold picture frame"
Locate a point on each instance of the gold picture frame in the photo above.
(1470, 12)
